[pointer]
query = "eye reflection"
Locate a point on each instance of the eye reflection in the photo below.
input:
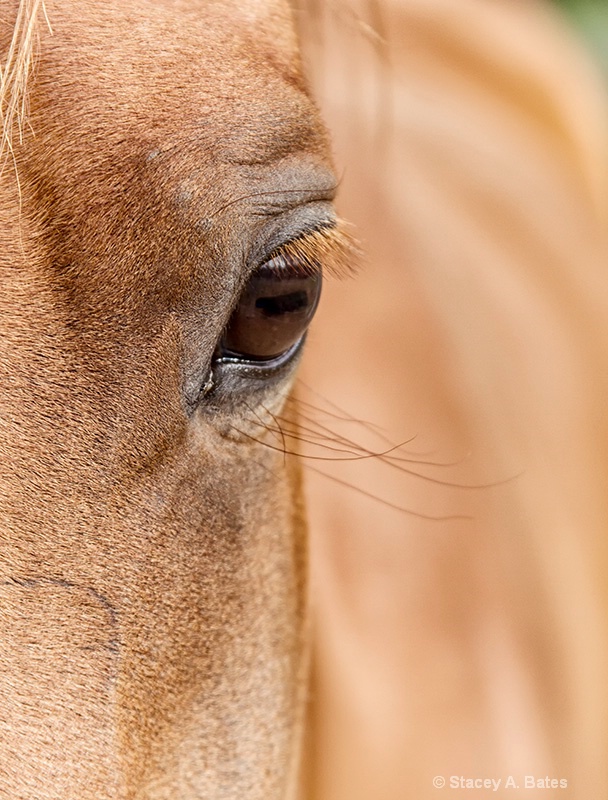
(274, 310)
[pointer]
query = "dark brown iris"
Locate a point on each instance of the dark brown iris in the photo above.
(273, 312)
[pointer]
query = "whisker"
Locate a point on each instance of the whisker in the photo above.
(387, 503)
(402, 509)
(316, 439)
(365, 424)
(305, 455)
(280, 429)
(385, 456)
(345, 416)
(323, 437)
(338, 438)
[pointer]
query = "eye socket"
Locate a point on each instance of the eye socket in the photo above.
(273, 311)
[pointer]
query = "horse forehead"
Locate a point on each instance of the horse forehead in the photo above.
(226, 74)
(178, 44)
(271, 17)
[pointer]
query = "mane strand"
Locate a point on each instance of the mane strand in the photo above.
(15, 72)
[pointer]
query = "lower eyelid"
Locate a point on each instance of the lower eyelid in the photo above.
(267, 364)
(235, 380)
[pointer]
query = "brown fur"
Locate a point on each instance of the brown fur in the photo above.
(153, 563)
(152, 559)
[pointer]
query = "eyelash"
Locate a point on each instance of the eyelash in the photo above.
(332, 248)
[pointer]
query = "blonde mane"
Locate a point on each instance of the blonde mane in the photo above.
(15, 72)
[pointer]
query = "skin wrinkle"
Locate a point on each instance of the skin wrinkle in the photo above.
(114, 642)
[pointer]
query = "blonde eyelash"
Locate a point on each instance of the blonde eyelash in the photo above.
(333, 249)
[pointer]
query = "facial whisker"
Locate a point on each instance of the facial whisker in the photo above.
(387, 503)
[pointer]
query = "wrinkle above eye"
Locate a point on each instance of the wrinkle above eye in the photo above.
(280, 186)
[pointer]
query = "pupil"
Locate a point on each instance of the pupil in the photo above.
(284, 304)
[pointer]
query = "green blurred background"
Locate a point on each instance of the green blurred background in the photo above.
(591, 16)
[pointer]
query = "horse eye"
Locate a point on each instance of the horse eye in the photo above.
(274, 310)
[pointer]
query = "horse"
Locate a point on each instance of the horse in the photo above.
(165, 175)
(166, 207)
